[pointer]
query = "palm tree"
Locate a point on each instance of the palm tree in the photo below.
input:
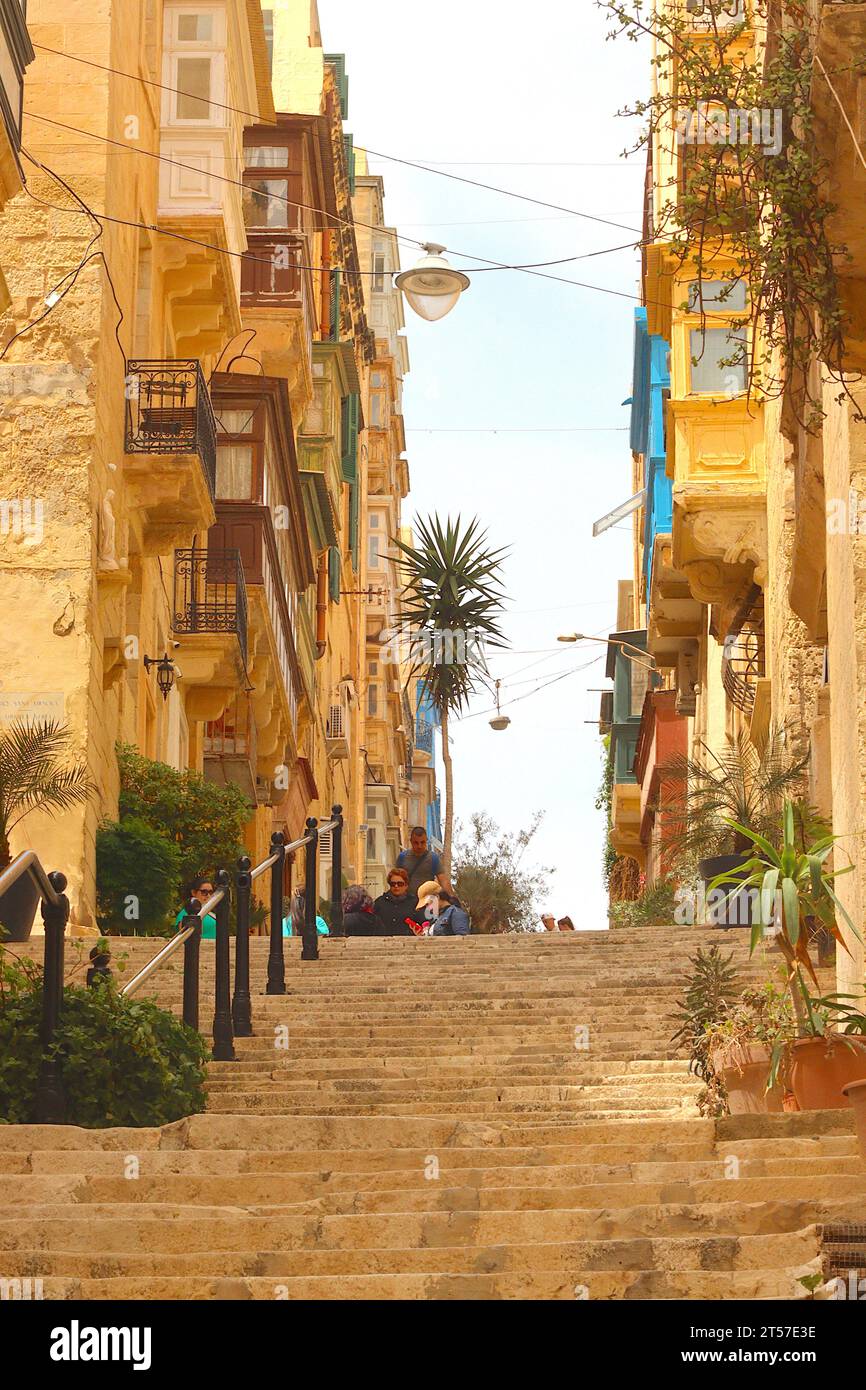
(34, 775)
(452, 602)
(742, 786)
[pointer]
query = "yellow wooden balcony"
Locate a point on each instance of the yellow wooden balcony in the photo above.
(715, 441)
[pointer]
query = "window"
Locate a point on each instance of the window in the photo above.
(195, 28)
(238, 446)
(194, 89)
(378, 273)
(273, 199)
(373, 552)
(719, 296)
(267, 157)
(376, 409)
(268, 17)
(712, 370)
(266, 203)
(372, 701)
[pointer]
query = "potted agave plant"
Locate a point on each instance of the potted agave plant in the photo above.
(742, 1045)
(795, 893)
(34, 775)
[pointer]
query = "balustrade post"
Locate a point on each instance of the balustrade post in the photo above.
(223, 1035)
(242, 1014)
(191, 964)
(276, 959)
(337, 872)
(50, 1101)
(311, 899)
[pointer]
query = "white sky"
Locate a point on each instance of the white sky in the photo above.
(487, 80)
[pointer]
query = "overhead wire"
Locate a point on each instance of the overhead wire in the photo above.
(257, 118)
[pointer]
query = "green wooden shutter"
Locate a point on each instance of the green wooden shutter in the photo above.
(335, 305)
(334, 577)
(350, 417)
(354, 522)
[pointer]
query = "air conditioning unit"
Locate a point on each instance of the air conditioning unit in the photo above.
(337, 732)
(725, 13)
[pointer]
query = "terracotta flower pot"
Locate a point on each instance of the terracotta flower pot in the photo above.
(743, 1069)
(856, 1094)
(821, 1068)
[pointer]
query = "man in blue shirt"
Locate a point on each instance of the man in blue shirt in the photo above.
(420, 862)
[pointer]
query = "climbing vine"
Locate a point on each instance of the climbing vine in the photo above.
(749, 207)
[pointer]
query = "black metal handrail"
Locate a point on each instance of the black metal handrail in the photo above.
(169, 411)
(50, 1101)
(232, 1011)
(210, 593)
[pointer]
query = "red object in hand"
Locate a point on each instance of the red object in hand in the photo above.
(415, 927)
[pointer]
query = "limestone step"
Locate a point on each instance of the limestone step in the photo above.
(721, 1253)
(577, 1284)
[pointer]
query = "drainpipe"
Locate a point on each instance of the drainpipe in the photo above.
(322, 605)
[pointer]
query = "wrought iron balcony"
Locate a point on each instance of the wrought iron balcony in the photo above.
(210, 594)
(169, 411)
(423, 737)
(743, 662)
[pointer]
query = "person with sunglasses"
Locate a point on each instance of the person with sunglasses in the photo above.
(201, 889)
(397, 909)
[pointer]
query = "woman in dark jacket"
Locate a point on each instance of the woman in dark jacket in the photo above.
(359, 916)
(399, 906)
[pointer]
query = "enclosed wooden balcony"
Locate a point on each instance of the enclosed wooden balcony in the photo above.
(170, 443)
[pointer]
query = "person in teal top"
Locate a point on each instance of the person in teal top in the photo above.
(202, 889)
(299, 907)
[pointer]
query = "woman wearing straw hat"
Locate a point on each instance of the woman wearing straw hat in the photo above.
(448, 915)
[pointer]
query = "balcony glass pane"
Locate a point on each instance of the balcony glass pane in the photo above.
(711, 351)
(265, 203)
(267, 157)
(719, 296)
(234, 472)
(639, 683)
(195, 28)
(193, 81)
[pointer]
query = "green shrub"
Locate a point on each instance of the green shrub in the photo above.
(654, 907)
(205, 821)
(124, 1062)
(137, 870)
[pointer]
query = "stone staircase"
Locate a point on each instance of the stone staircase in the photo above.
(481, 1118)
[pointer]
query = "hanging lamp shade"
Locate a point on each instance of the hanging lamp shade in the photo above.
(432, 287)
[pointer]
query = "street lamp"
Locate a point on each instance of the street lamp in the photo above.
(432, 287)
(501, 721)
(641, 659)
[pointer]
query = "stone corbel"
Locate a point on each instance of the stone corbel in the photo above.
(733, 537)
(206, 702)
(114, 662)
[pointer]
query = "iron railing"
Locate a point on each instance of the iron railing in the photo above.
(744, 657)
(210, 593)
(169, 411)
(50, 1103)
(232, 1010)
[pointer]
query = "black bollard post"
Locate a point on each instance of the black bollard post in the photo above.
(223, 1036)
(50, 1101)
(276, 959)
(337, 872)
(191, 956)
(311, 899)
(242, 1012)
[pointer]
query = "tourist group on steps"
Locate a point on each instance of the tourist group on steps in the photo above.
(419, 902)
